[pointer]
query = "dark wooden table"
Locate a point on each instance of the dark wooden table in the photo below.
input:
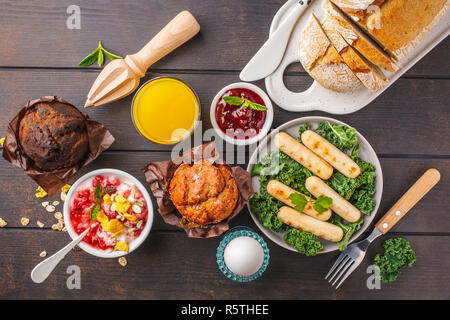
(408, 125)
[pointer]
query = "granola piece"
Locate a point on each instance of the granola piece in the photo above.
(40, 224)
(24, 221)
(3, 223)
(137, 209)
(123, 261)
(59, 226)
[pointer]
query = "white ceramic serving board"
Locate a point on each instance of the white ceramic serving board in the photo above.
(318, 98)
(366, 153)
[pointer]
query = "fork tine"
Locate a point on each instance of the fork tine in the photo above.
(347, 266)
(349, 272)
(344, 262)
(338, 261)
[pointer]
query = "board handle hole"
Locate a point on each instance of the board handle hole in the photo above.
(296, 79)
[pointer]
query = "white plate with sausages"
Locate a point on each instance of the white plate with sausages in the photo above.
(366, 153)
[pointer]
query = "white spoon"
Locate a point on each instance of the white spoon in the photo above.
(43, 269)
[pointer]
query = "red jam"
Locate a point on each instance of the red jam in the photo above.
(237, 122)
(131, 220)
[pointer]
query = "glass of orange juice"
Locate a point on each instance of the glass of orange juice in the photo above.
(165, 110)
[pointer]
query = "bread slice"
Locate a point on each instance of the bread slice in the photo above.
(369, 74)
(357, 8)
(398, 25)
(361, 42)
(323, 62)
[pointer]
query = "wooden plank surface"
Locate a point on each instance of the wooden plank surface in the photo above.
(171, 266)
(391, 123)
(408, 126)
(232, 31)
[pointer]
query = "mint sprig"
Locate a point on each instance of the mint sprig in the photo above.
(321, 204)
(98, 198)
(245, 103)
(94, 211)
(98, 193)
(99, 55)
(299, 201)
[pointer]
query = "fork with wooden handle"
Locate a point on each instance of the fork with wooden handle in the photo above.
(351, 257)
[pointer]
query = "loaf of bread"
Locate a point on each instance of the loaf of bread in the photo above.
(361, 42)
(54, 135)
(319, 57)
(398, 25)
(369, 74)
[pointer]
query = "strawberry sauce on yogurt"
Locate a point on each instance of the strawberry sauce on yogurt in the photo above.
(115, 211)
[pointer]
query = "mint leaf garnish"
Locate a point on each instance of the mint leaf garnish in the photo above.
(322, 204)
(238, 101)
(98, 193)
(299, 201)
(98, 55)
(94, 211)
(234, 101)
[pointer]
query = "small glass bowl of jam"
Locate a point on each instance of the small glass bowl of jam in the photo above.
(241, 113)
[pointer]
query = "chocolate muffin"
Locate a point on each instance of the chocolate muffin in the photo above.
(54, 135)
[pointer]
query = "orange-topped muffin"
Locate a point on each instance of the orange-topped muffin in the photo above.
(204, 193)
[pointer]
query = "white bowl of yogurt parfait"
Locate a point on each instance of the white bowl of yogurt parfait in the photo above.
(115, 206)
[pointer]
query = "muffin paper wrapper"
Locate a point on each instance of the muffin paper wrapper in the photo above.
(159, 174)
(99, 137)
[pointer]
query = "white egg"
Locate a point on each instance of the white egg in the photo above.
(244, 256)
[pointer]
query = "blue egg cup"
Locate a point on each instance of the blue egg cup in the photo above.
(235, 233)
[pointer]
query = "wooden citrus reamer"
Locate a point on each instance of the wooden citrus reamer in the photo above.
(121, 77)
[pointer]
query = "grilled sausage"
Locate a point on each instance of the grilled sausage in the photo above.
(303, 155)
(322, 229)
(282, 192)
(339, 205)
(327, 151)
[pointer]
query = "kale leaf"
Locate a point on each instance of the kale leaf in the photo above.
(398, 254)
(303, 241)
(348, 228)
(266, 207)
(303, 128)
(362, 198)
(268, 166)
(346, 187)
(343, 137)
